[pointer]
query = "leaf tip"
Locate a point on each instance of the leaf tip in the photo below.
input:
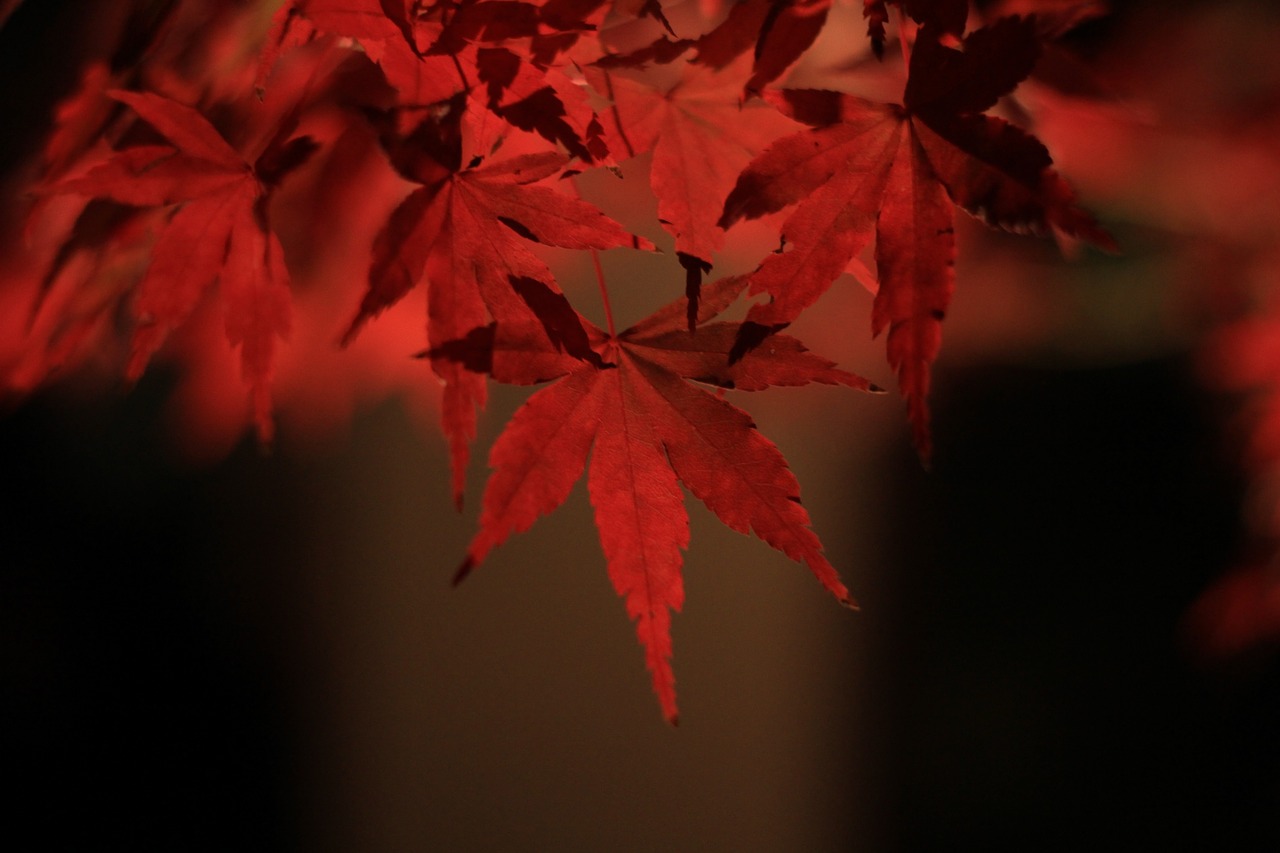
(352, 330)
(465, 569)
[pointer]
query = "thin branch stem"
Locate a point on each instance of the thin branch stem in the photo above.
(617, 116)
(466, 84)
(604, 293)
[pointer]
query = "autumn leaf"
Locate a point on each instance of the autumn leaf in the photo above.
(627, 401)
(218, 233)
(701, 136)
(462, 230)
(894, 170)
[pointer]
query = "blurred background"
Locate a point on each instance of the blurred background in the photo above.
(244, 650)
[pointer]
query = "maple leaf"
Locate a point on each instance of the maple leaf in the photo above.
(701, 136)
(218, 232)
(626, 400)
(894, 170)
(458, 230)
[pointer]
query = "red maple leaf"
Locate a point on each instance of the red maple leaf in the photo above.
(218, 232)
(701, 136)
(627, 395)
(894, 170)
(459, 231)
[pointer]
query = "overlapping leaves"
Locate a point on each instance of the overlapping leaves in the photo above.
(894, 171)
(461, 231)
(482, 110)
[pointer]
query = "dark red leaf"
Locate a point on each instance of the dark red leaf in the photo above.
(648, 429)
(888, 170)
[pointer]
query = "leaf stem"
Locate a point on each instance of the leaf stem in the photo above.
(617, 116)
(466, 84)
(604, 293)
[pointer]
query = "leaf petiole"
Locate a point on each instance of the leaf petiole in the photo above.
(604, 292)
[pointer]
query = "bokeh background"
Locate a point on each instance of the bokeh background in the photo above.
(262, 651)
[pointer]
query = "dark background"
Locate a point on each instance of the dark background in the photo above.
(224, 658)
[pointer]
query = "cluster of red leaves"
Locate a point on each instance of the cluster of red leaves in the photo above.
(193, 167)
